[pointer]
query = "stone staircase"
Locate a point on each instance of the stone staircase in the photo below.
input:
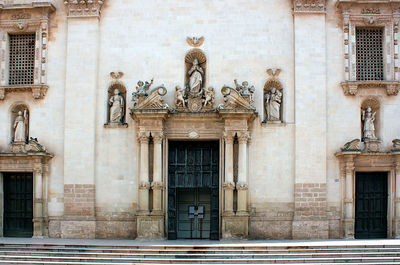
(168, 252)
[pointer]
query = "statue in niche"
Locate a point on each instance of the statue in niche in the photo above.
(195, 78)
(272, 104)
(368, 117)
(209, 95)
(245, 91)
(117, 104)
(21, 127)
(180, 97)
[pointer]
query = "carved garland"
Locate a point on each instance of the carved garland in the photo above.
(84, 8)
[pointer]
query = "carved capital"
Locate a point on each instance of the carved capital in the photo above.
(84, 8)
(243, 137)
(241, 186)
(143, 137)
(229, 137)
(309, 6)
(157, 137)
(157, 185)
(228, 186)
(348, 200)
(38, 170)
(144, 185)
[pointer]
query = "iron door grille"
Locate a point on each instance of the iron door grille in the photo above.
(369, 54)
(22, 59)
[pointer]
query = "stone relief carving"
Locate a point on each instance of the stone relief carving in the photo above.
(20, 127)
(209, 95)
(396, 145)
(143, 99)
(352, 146)
(241, 97)
(309, 6)
(195, 41)
(116, 75)
(117, 107)
(84, 8)
(31, 146)
(273, 97)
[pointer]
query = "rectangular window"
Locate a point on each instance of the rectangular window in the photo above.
(22, 59)
(369, 54)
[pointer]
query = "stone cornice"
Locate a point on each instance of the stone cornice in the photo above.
(38, 91)
(368, 7)
(351, 88)
(84, 8)
(309, 6)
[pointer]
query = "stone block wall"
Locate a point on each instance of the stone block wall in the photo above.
(79, 199)
(310, 219)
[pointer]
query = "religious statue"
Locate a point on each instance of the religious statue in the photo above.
(195, 78)
(117, 104)
(245, 91)
(209, 95)
(272, 104)
(180, 97)
(20, 126)
(141, 91)
(368, 117)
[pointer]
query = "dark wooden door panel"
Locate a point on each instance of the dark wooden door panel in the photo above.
(193, 164)
(18, 204)
(371, 205)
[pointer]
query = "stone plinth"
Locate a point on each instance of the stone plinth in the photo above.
(235, 226)
(150, 227)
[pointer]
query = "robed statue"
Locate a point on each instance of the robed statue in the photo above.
(368, 117)
(195, 77)
(21, 126)
(117, 104)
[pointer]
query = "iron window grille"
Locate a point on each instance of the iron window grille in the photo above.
(369, 53)
(22, 59)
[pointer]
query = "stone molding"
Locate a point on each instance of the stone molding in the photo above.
(309, 6)
(242, 186)
(351, 88)
(144, 185)
(228, 185)
(22, 18)
(157, 185)
(38, 91)
(84, 8)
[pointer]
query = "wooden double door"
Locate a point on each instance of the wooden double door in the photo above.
(193, 190)
(371, 205)
(18, 204)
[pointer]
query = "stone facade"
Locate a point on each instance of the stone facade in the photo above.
(287, 177)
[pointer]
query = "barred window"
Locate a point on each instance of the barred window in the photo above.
(22, 57)
(369, 54)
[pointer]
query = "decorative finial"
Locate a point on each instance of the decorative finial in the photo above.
(116, 75)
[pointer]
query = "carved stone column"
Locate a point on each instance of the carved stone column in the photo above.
(38, 220)
(241, 184)
(157, 184)
(349, 198)
(397, 198)
(228, 185)
(144, 184)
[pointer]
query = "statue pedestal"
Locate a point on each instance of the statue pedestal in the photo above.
(235, 226)
(372, 145)
(150, 227)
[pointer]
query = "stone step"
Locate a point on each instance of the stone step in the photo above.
(197, 251)
(116, 263)
(198, 255)
(233, 260)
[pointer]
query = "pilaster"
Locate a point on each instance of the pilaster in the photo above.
(80, 118)
(397, 197)
(228, 185)
(310, 219)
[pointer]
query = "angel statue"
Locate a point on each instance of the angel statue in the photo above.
(209, 95)
(244, 90)
(142, 88)
(179, 97)
(368, 117)
(195, 77)
(21, 126)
